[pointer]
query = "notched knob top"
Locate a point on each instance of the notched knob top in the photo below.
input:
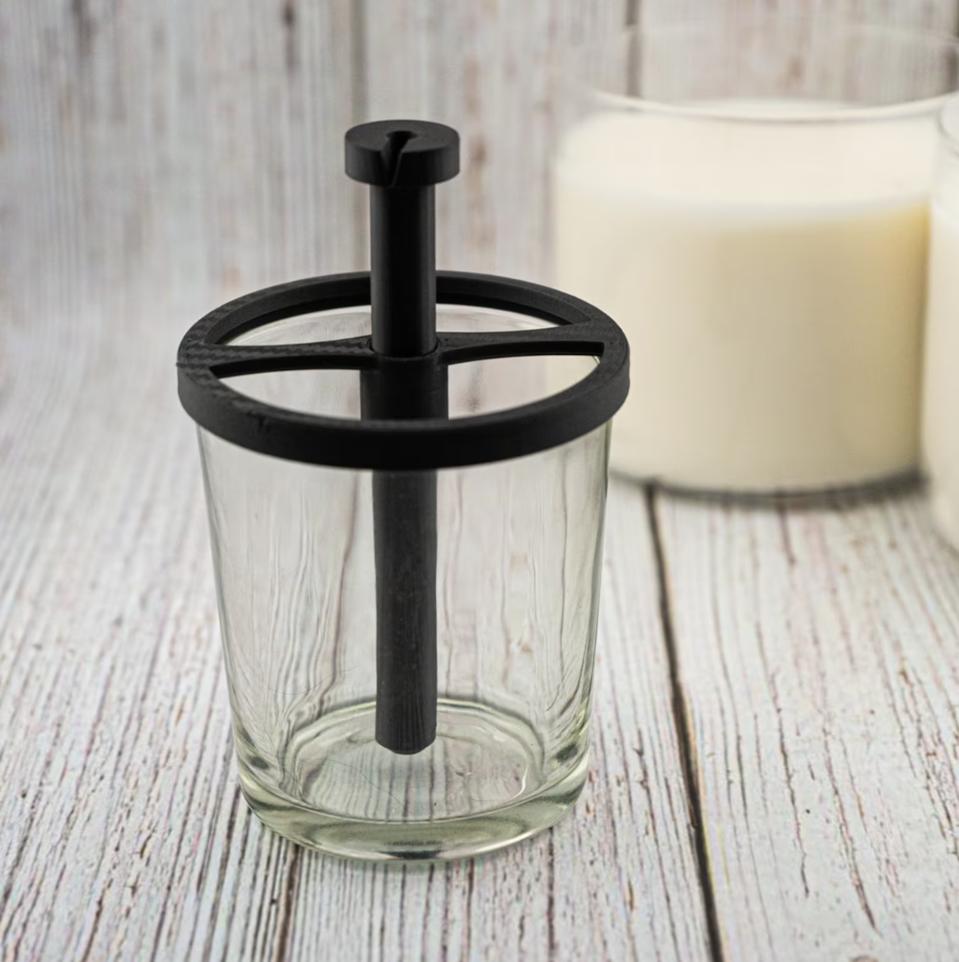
(402, 153)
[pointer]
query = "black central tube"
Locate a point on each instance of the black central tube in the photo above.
(403, 270)
(401, 161)
(403, 306)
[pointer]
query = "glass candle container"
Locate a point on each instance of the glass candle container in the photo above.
(517, 578)
(406, 478)
(940, 435)
(752, 209)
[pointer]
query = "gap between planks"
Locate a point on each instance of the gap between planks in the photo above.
(681, 721)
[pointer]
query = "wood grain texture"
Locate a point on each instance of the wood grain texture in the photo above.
(817, 658)
(815, 669)
(860, 51)
(508, 76)
(157, 158)
(124, 835)
(926, 14)
(154, 164)
(192, 151)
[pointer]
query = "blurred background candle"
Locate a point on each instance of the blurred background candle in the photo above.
(761, 236)
(940, 409)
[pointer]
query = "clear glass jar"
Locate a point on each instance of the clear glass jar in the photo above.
(940, 435)
(752, 211)
(518, 566)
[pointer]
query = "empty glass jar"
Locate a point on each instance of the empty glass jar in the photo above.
(517, 569)
(406, 478)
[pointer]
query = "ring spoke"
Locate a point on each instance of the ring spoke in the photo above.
(230, 360)
(582, 339)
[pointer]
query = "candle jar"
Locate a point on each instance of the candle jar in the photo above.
(940, 439)
(407, 545)
(751, 207)
(517, 566)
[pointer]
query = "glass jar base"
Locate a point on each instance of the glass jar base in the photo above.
(481, 786)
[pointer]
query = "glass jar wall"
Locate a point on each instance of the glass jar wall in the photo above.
(518, 561)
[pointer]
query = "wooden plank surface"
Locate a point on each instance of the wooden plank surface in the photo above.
(793, 48)
(819, 667)
(123, 834)
(155, 159)
(509, 77)
(936, 15)
(816, 663)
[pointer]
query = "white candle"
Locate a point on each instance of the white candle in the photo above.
(770, 278)
(940, 407)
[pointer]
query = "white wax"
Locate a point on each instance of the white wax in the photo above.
(940, 408)
(770, 279)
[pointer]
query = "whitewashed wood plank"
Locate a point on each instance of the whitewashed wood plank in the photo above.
(820, 674)
(123, 833)
(167, 152)
(509, 77)
(193, 150)
(275, 94)
(796, 48)
(930, 14)
(124, 836)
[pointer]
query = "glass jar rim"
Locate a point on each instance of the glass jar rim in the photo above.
(209, 355)
(841, 113)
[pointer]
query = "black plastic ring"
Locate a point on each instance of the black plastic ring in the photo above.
(205, 357)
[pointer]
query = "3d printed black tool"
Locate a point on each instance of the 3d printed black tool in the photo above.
(404, 435)
(401, 163)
